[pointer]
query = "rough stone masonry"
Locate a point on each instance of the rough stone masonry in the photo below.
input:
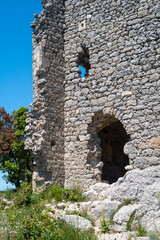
(94, 129)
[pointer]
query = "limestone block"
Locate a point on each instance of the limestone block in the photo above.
(126, 93)
(123, 215)
(82, 25)
(77, 221)
(143, 238)
(154, 142)
(71, 207)
(91, 195)
(97, 207)
(61, 205)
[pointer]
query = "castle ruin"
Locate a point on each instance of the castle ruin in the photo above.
(84, 130)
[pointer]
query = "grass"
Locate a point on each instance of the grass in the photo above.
(129, 223)
(28, 218)
(60, 194)
(140, 229)
(152, 235)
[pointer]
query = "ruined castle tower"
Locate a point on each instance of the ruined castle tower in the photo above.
(92, 129)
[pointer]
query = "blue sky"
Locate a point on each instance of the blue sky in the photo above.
(16, 55)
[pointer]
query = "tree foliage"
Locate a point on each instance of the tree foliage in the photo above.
(14, 159)
(6, 132)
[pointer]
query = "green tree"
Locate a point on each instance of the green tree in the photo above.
(14, 159)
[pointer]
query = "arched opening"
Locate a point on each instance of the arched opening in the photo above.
(112, 140)
(105, 148)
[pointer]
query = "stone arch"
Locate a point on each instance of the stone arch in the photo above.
(106, 155)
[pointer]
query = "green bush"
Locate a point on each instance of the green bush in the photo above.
(74, 194)
(28, 218)
(24, 196)
(60, 194)
(54, 191)
(31, 223)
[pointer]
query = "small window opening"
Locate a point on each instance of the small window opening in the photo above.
(53, 145)
(83, 60)
(83, 71)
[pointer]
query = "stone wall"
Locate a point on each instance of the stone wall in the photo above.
(122, 39)
(118, 42)
(46, 119)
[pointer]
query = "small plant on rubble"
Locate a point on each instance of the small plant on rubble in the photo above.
(140, 229)
(104, 227)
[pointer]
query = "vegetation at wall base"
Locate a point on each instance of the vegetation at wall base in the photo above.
(14, 159)
(58, 193)
(27, 218)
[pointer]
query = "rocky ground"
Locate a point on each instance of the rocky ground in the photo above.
(135, 197)
(116, 208)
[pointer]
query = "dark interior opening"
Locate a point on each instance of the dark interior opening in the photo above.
(83, 60)
(113, 139)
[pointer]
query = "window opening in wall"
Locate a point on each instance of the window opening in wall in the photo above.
(83, 71)
(83, 60)
(113, 139)
(52, 145)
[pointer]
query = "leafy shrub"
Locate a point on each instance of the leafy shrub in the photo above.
(60, 194)
(74, 194)
(54, 191)
(7, 194)
(33, 223)
(29, 219)
(24, 196)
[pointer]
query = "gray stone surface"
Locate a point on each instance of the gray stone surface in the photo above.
(69, 126)
(143, 238)
(45, 129)
(113, 236)
(142, 187)
(122, 217)
(78, 222)
(120, 41)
